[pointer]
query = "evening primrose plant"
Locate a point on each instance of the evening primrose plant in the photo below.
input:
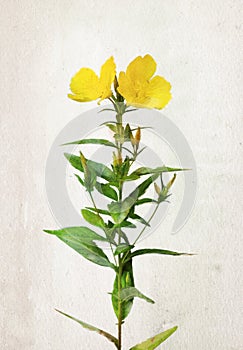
(136, 87)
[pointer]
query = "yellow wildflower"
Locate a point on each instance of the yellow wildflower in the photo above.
(86, 86)
(139, 88)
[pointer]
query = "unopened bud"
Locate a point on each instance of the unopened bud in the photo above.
(133, 140)
(157, 188)
(170, 183)
(83, 161)
(138, 135)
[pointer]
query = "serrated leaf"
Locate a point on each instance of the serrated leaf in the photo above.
(92, 328)
(106, 190)
(92, 141)
(92, 218)
(154, 342)
(82, 240)
(132, 292)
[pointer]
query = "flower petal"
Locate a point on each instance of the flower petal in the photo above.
(85, 86)
(158, 92)
(107, 76)
(141, 68)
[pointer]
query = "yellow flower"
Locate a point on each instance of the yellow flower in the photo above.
(139, 88)
(87, 86)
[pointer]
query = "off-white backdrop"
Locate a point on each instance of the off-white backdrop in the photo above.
(196, 45)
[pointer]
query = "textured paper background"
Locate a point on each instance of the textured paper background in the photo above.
(197, 46)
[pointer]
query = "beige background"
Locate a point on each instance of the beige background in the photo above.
(197, 47)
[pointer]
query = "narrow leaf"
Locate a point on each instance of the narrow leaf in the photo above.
(132, 292)
(92, 141)
(127, 280)
(138, 218)
(119, 210)
(79, 233)
(106, 190)
(100, 211)
(93, 218)
(100, 169)
(156, 251)
(154, 342)
(81, 240)
(145, 200)
(158, 170)
(79, 179)
(122, 248)
(92, 328)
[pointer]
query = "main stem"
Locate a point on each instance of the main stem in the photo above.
(120, 263)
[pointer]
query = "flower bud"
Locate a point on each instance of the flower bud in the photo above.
(157, 188)
(83, 161)
(138, 135)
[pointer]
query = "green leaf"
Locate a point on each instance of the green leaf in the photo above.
(158, 170)
(100, 211)
(106, 190)
(119, 210)
(100, 169)
(122, 248)
(112, 127)
(79, 179)
(145, 200)
(81, 239)
(145, 184)
(92, 328)
(79, 233)
(92, 218)
(92, 141)
(125, 223)
(138, 218)
(156, 251)
(154, 342)
(132, 292)
(127, 280)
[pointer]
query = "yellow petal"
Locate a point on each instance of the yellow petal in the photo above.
(141, 68)
(107, 76)
(158, 92)
(85, 86)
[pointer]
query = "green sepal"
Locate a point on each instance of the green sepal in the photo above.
(153, 342)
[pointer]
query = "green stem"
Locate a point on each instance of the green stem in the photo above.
(119, 303)
(144, 228)
(97, 212)
(120, 264)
